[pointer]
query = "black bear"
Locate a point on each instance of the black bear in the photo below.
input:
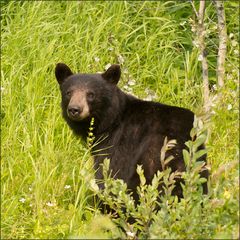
(134, 130)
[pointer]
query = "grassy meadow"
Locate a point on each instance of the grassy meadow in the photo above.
(45, 169)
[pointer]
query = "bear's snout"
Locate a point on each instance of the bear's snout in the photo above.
(74, 111)
(78, 108)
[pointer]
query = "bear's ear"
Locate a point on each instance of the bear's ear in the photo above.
(112, 75)
(62, 71)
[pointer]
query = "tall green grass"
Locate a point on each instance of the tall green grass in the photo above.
(45, 169)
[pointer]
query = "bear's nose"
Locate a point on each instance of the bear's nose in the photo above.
(74, 111)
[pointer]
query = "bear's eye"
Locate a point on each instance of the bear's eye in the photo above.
(68, 93)
(90, 96)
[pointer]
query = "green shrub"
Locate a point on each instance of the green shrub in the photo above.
(166, 217)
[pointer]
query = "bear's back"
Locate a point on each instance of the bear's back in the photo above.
(157, 118)
(139, 136)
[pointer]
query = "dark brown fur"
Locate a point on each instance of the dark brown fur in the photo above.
(134, 129)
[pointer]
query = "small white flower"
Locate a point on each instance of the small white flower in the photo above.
(2, 89)
(130, 234)
(110, 49)
(236, 52)
(229, 107)
(195, 43)
(127, 88)
(151, 95)
(96, 59)
(120, 59)
(234, 43)
(148, 91)
(108, 66)
(148, 98)
(22, 200)
(213, 112)
(183, 23)
(231, 35)
(214, 87)
(229, 76)
(200, 57)
(67, 186)
(214, 27)
(125, 70)
(234, 93)
(131, 82)
(193, 29)
(50, 204)
(93, 185)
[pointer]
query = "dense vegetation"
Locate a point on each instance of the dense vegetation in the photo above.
(46, 172)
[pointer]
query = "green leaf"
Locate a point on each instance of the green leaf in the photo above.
(169, 159)
(193, 133)
(200, 153)
(94, 186)
(141, 175)
(186, 157)
(199, 141)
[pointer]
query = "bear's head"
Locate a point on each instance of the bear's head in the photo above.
(88, 95)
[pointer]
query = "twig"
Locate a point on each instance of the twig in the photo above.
(201, 38)
(222, 48)
(194, 8)
(203, 53)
